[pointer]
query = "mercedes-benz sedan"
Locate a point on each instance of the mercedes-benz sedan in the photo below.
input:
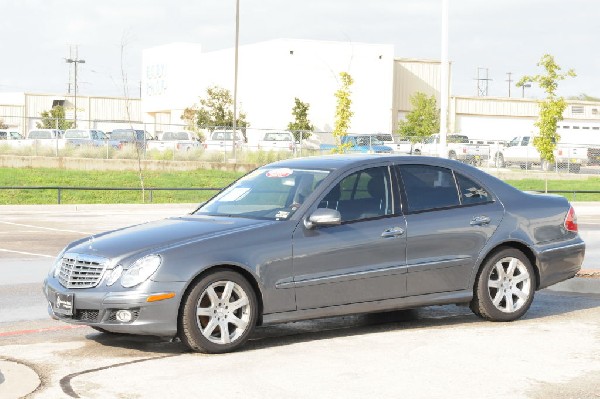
(316, 237)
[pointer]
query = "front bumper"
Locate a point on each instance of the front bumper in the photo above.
(98, 306)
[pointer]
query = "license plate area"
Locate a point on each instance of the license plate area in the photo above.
(63, 304)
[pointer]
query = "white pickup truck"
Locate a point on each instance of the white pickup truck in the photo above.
(176, 141)
(398, 146)
(457, 146)
(521, 151)
(278, 141)
(222, 140)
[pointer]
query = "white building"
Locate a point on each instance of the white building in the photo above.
(271, 74)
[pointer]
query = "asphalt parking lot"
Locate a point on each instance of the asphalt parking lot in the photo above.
(446, 351)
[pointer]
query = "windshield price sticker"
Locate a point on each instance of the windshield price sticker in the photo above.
(282, 172)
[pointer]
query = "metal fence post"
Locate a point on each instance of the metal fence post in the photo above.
(59, 192)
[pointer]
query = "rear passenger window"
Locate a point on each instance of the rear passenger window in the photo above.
(471, 192)
(428, 187)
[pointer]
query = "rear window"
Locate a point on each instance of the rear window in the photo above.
(40, 134)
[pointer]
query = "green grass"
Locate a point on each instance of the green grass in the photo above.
(188, 179)
(570, 186)
(72, 178)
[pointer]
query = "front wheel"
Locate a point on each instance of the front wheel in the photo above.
(219, 313)
(505, 286)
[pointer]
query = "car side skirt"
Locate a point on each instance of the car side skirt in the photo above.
(442, 298)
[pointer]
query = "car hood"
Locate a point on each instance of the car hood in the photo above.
(162, 234)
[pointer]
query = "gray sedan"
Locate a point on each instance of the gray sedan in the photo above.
(317, 237)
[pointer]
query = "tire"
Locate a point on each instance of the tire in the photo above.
(222, 300)
(505, 286)
(499, 160)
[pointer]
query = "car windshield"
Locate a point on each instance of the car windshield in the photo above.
(266, 193)
(125, 134)
(75, 134)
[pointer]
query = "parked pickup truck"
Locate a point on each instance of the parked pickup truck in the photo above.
(222, 140)
(7, 134)
(364, 143)
(521, 151)
(457, 147)
(176, 141)
(127, 137)
(88, 138)
(278, 141)
(398, 146)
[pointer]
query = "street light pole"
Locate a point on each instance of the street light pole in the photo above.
(75, 61)
(237, 37)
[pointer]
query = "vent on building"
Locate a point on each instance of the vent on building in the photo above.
(58, 103)
(577, 109)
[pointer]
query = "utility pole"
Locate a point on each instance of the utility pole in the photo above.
(237, 39)
(482, 82)
(509, 80)
(75, 60)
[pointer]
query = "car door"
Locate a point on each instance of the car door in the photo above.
(363, 258)
(449, 218)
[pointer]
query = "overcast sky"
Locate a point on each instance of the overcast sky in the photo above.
(501, 35)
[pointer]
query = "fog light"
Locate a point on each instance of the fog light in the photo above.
(124, 316)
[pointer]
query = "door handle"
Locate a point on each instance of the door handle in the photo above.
(393, 232)
(480, 220)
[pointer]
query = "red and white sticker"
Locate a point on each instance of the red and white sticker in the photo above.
(282, 172)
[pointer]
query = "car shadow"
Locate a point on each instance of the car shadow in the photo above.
(545, 304)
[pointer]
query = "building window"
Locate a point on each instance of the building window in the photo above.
(594, 111)
(575, 127)
(577, 109)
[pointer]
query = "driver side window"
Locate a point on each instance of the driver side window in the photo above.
(361, 195)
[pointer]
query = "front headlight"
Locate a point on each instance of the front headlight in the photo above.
(55, 269)
(140, 271)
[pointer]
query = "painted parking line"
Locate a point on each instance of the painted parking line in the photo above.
(46, 228)
(27, 253)
(38, 330)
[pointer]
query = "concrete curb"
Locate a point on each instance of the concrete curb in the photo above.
(581, 285)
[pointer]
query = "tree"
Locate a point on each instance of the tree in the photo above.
(343, 114)
(301, 124)
(422, 121)
(216, 110)
(585, 97)
(54, 119)
(551, 109)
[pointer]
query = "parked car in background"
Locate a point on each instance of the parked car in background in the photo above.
(176, 141)
(521, 151)
(361, 143)
(137, 137)
(321, 236)
(398, 146)
(223, 140)
(44, 134)
(458, 147)
(88, 138)
(278, 141)
(7, 134)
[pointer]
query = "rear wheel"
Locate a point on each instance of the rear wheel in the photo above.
(505, 286)
(219, 313)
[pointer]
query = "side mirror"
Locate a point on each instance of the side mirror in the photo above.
(323, 217)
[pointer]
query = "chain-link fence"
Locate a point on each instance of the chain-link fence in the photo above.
(215, 144)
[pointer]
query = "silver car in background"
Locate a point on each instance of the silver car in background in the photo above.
(317, 237)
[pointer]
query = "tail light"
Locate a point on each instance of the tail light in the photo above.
(464, 149)
(560, 153)
(571, 221)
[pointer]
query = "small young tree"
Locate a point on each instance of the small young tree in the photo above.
(216, 110)
(301, 126)
(54, 119)
(343, 113)
(422, 121)
(551, 109)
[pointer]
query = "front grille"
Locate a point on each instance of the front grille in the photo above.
(86, 315)
(81, 271)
